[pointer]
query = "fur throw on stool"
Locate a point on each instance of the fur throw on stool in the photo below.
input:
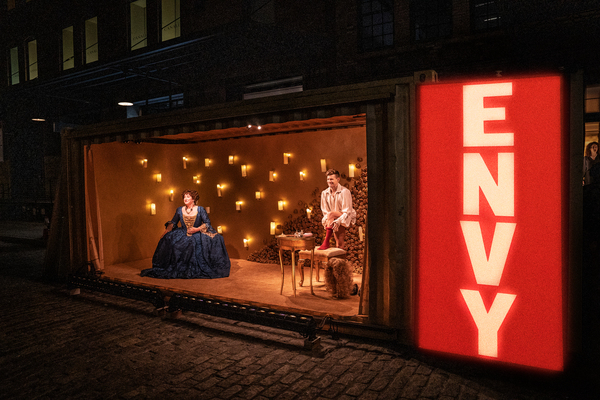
(338, 278)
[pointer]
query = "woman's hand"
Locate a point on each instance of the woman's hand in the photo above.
(168, 228)
(201, 228)
(336, 225)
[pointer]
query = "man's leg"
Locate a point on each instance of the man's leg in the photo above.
(339, 237)
(329, 230)
(325, 244)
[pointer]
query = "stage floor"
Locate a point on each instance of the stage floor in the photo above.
(250, 283)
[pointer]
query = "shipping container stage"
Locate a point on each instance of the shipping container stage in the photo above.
(253, 172)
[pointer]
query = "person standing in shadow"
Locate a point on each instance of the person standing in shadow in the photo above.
(590, 158)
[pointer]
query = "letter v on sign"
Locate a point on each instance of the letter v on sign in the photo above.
(488, 270)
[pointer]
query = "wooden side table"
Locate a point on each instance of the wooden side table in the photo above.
(295, 243)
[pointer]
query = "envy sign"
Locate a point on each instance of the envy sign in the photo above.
(490, 220)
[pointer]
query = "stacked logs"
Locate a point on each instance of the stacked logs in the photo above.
(299, 221)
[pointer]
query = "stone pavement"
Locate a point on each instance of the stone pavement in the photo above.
(97, 346)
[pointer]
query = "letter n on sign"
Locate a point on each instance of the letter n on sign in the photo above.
(491, 220)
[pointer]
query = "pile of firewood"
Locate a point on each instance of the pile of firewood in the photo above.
(299, 221)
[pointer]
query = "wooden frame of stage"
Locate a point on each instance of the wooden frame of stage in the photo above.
(250, 283)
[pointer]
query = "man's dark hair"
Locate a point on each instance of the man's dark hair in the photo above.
(332, 171)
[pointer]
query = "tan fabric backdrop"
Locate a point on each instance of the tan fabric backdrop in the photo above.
(95, 247)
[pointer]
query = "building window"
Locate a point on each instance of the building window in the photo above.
(592, 113)
(376, 24)
(32, 62)
(68, 51)
(91, 40)
(170, 18)
(485, 14)
(431, 19)
(592, 99)
(13, 72)
(139, 37)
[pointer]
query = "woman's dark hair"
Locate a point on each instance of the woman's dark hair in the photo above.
(588, 148)
(193, 194)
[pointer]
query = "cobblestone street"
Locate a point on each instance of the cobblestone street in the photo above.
(99, 346)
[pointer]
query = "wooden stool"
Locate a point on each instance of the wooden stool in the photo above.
(319, 257)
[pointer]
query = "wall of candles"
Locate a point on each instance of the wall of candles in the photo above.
(252, 186)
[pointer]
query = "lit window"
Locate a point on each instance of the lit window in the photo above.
(91, 40)
(376, 24)
(139, 37)
(431, 19)
(171, 24)
(13, 76)
(68, 53)
(32, 67)
(592, 99)
(485, 14)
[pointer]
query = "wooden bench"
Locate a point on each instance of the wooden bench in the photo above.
(320, 256)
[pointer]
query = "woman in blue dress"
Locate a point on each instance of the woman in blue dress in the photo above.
(194, 250)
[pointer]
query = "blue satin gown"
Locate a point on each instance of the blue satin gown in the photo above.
(201, 255)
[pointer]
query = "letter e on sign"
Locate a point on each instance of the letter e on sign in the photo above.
(490, 220)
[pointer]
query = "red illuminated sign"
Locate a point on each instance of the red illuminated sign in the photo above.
(490, 220)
